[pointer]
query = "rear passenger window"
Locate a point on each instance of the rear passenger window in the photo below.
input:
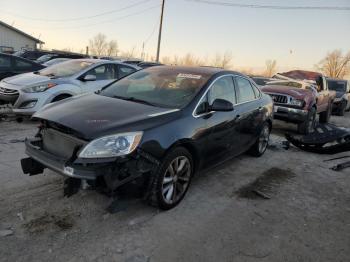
(22, 65)
(5, 62)
(244, 90)
(223, 88)
(125, 70)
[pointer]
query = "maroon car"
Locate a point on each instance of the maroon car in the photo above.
(299, 96)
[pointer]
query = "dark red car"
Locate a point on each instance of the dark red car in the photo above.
(299, 96)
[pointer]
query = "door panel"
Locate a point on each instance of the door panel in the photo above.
(221, 125)
(251, 114)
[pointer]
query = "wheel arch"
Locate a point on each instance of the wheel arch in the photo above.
(64, 94)
(191, 148)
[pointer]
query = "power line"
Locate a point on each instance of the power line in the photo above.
(76, 18)
(103, 22)
(278, 7)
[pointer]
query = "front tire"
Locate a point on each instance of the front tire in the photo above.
(309, 124)
(326, 115)
(172, 179)
(260, 146)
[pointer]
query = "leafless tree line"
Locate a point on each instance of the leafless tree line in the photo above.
(334, 64)
(224, 60)
(100, 46)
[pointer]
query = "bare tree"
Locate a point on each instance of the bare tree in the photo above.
(112, 48)
(335, 64)
(98, 44)
(129, 54)
(271, 66)
(223, 61)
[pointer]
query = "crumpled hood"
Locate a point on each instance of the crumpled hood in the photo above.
(27, 79)
(92, 115)
(297, 93)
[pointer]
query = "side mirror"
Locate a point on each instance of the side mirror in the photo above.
(89, 78)
(221, 105)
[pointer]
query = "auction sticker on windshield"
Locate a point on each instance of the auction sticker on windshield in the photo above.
(191, 76)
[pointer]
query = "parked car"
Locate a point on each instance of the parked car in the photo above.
(261, 81)
(298, 101)
(31, 54)
(148, 64)
(12, 65)
(162, 123)
(47, 57)
(55, 61)
(342, 101)
(31, 91)
(132, 61)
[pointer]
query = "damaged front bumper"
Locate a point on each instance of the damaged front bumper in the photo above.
(117, 171)
(289, 114)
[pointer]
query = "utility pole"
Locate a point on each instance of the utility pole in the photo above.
(160, 31)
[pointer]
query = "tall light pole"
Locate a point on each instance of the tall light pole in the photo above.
(160, 31)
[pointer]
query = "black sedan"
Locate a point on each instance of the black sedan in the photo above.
(11, 65)
(162, 124)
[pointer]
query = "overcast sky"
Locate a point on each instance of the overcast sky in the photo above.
(294, 38)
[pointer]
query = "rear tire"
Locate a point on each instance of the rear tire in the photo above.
(170, 182)
(309, 124)
(326, 115)
(260, 146)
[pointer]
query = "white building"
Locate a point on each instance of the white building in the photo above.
(13, 39)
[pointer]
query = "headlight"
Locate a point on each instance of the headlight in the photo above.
(112, 146)
(40, 88)
(297, 102)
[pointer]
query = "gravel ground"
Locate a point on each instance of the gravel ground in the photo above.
(301, 214)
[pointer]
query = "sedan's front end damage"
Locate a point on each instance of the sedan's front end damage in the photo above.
(59, 152)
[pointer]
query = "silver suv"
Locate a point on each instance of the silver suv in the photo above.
(31, 91)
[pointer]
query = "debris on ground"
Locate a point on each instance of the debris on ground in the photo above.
(341, 166)
(336, 158)
(326, 139)
(265, 185)
(279, 145)
(6, 232)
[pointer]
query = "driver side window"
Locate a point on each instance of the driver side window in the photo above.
(222, 88)
(104, 72)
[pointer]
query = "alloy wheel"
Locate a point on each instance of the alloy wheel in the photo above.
(264, 139)
(176, 179)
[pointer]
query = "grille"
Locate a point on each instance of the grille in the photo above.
(10, 92)
(60, 144)
(280, 99)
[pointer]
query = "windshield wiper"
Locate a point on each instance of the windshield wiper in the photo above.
(137, 100)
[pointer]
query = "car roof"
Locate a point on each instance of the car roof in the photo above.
(204, 70)
(18, 57)
(103, 61)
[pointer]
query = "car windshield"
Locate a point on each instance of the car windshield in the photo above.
(44, 58)
(164, 87)
(337, 85)
(65, 69)
(19, 53)
(55, 61)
